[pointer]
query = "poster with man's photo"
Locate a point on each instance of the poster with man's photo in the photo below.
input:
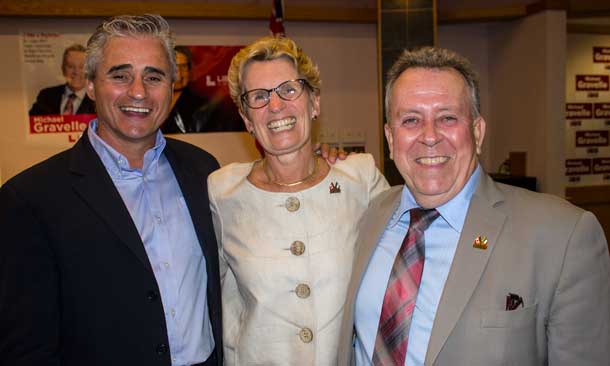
(59, 109)
(57, 106)
(201, 100)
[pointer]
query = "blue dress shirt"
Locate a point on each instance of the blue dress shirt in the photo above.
(441, 240)
(158, 209)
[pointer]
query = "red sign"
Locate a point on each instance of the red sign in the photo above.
(601, 55)
(592, 82)
(601, 165)
(592, 138)
(57, 123)
(578, 166)
(579, 110)
(209, 81)
(209, 73)
(601, 110)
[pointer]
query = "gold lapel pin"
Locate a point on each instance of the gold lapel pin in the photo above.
(480, 242)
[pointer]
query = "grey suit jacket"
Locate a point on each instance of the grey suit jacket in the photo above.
(551, 253)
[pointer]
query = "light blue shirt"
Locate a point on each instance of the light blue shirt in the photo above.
(441, 240)
(158, 209)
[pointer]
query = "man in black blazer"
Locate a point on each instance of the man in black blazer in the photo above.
(68, 98)
(108, 255)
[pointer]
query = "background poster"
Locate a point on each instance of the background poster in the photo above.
(41, 57)
(206, 105)
(42, 54)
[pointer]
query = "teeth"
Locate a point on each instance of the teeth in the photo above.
(282, 124)
(135, 109)
(433, 160)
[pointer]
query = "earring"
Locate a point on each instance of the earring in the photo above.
(252, 133)
(314, 117)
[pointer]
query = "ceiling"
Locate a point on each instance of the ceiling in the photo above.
(585, 13)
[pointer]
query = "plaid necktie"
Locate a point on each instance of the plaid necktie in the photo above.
(401, 293)
(69, 107)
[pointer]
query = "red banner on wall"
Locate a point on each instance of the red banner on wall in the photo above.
(579, 110)
(601, 165)
(56, 123)
(592, 138)
(209, 80)
(578, 166)
(601, 55)
(601, 110)
(592, 82)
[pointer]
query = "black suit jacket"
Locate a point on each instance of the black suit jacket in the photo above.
(48, 101)
(76, 286)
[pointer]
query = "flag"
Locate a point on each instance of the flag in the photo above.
(276, 25)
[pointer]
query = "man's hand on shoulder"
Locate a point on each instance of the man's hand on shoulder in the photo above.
(330, 154)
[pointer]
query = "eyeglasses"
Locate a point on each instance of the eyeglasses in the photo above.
(288, 90)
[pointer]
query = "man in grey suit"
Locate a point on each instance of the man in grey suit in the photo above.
(510, 277)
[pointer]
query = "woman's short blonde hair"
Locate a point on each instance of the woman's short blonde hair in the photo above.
(267, 49)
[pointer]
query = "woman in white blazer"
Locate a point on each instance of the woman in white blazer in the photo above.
(286, 224)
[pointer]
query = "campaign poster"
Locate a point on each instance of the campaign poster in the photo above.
(58, 109)
(201, 94)
(56, 105)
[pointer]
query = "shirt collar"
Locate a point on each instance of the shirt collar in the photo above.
(79, 94)
(454, 211)
(116, 163)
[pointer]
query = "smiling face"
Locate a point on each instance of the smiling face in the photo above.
(132, 90)
(281, 127)
(74, 70)
(431, 135)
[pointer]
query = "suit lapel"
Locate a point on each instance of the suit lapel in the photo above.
(468, 263)
(94, 186)
(375, 221)
(372, 231)
(195, 194)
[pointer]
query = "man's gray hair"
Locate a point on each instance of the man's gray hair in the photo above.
(434, 58)
(129, 26)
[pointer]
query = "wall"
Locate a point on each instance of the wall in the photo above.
(589, 191)
(472, 42)
(528, 72)
(345, 54)
(580, 62)
(522, 67)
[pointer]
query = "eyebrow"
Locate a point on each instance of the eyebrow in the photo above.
(151, 69)
(147, 69)
(118, 68)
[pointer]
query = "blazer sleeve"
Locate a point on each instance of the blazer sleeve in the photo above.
(29, 311)
(376, 180)
(579, 319)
